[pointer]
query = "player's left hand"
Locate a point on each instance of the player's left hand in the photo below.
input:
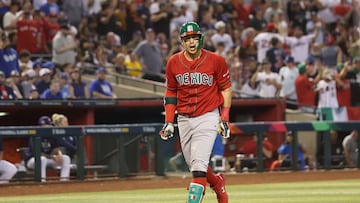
(224, 129)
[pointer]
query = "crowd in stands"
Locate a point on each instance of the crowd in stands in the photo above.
(268, 45)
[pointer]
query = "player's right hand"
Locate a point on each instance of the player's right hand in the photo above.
(224, 129)
(167, 131)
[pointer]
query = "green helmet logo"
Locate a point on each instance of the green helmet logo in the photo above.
(191, 28)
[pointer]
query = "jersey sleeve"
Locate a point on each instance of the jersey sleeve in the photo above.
(223, 75)
(170, 95)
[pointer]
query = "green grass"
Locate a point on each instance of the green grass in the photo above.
(347, 191)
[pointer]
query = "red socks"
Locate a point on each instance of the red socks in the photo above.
(201, 181)
(212, 179)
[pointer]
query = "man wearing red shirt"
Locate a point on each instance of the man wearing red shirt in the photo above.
(27, 31)
(51, 26)
(343, 90)
(304, 87)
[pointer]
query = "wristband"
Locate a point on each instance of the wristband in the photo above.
(224, 115)
(170, 113)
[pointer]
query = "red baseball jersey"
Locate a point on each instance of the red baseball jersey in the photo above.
(197, 84)
(305, 91)
(50, 30)
(27, 31)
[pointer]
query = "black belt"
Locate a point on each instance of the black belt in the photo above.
(185, 115)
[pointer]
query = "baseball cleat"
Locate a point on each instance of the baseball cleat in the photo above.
(220, 190)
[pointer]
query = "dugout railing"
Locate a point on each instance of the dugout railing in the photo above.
(122, 130)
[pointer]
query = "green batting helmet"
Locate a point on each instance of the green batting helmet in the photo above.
(191, 28)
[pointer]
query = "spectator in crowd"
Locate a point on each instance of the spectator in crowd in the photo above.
(311, 28)
(11, 17)
(343, 91)
(34, 94)
(248, 46)
(111, 43)
(135, 40)
(182, 15)
(331, 54)
(106, 20)
(133, 66)
(6, 92)
(257, 20)
(66, 69)
(269, 82)
(29, 34)
(14, 82)
(353, 74)
(37, 4)
(7, 169)
(78, 87)
(354, 47)
(102, 58)
(161, 19)
(8, 56)
(150, 54)
(296, 14)
(263, 41)
(53, 92)
(51, 26)
(276, 55)
(220, 49)
(326, 88)
(50, 7)
(249, 90)
(74, 10)
(67, 144)
(51, 155)
(288, 74)
(100, 87)
(285, 154)
(28, 82)
(281, 23)
(144, 13)
(64, 85)
(351, 148)
(222, 36)
(305, 90)
(64, 46)
(119, 64)
(272, 10)
(54, 71)
(25, 61)
(45, 79)
(299, 43)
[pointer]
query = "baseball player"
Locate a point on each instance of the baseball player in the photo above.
(7, 169)
(199, 89)
(51, 156)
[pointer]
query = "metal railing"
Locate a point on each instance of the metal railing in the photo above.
(121, 130)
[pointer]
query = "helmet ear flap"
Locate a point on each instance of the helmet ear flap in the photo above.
(201, 42)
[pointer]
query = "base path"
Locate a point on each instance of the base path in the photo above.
(170, 181)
